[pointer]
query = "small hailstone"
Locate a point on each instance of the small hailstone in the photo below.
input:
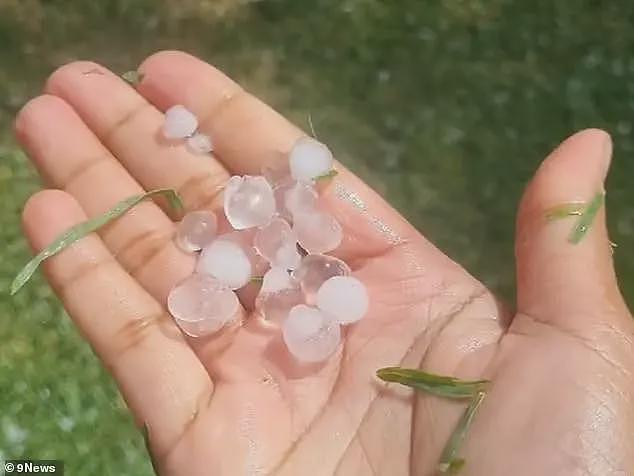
(227, 261)
(201, 305)
(248, 202)
(179, 123)
(196, 230)
(309, 159)
(315, 270)
(276, 173)
(275, 306)
(200, 143)
(309, 334)
(300, 198)
(276, 279)
(344, 298)
(317, 231)
(276, 242)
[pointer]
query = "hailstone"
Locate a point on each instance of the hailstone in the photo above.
(317, 231)
(196, 230)
(227, 261)
(309, 159)
(201, 305)
(277, 243)
(309, 334)
(315, 270)
(248, 202)
(179, 123)
(344, 298)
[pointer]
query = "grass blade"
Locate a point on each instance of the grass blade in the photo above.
(448, 387)
(586, 218)
(328, 175)
(133, 78)
(564, 210)
(80, 230)
(449, 463)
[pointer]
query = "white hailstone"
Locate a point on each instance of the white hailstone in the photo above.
(275, 280)
(317, 231)
(201, 305)
(200, 143)
(226, 261)
(248, 202)
(309, 334)
(344, 298)
(276, 242)
(300, 198)
(309, 159)
(179, 123)
(315, 270)
(196, 230)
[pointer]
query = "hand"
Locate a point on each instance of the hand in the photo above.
(561, 364)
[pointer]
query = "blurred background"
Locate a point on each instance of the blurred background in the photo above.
(445, 107)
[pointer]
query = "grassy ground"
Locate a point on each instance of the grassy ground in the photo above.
(446, 107)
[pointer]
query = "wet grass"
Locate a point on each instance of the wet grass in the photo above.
(445, 107)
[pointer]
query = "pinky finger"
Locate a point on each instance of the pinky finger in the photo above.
(160, 377)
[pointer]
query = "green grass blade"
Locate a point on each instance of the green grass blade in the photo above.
(133, 78)
(80, 230)
(448, 387)
(586, 218)
(449, 463)
(564, 210)
(328, 175)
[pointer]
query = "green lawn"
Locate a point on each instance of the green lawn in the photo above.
(445, 107)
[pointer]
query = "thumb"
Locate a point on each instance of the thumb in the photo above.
(559, 282)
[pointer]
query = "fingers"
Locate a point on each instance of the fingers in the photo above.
(247, 134)
(560, 282)
(130, 128)
(70, 157)
(161, 379)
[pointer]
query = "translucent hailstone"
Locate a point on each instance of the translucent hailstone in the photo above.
(200, 143)
(276, 242)
(196, 230)
(277, 172)
(201, 305)
(300, 198)
(226, 261)
(315, 270)
(317, 231)
(179, 123)
(249, 202)
(276, 279)
(309, 159)
(275, 306)
(344, 298)
(309, 334)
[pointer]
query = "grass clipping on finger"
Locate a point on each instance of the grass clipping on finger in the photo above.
(446, 387)
(80, 230)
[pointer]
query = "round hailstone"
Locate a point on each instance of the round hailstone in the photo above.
(300, 198)
(201, 305)
(179, 123)
(196, 230)
(309, 334)
(275, 306)
(226, 261)
(249, 202)
(200, 143)
(317, 231)
(315, 270)
(344, 298)
(276, 173)
(309, 159)
(276, 242)
(276, 279)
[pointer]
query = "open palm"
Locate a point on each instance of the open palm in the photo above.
(238, 404)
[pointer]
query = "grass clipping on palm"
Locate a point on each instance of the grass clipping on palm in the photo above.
(446, 387)
(80, 230)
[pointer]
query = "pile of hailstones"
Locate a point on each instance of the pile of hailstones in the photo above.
(280, 233)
